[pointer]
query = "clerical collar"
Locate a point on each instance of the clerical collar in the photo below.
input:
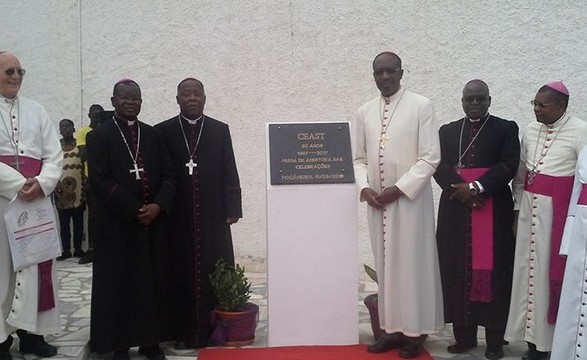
(190, 121)
(560, 121)
(8, 100)
(125, 121)
(388, 99)
(485, 117)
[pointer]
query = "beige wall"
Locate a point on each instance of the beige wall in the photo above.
(264, 61)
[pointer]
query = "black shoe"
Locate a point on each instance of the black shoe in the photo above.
(386, 342)
(536, 355)
(5, 355)
(180, 345)
(153, 352)
(36, 345)
(121, 355)
(410, 350)
(494, 353)
(79, 253)
(87, 258)
(460, 348)
(64, 255)
(5, 348)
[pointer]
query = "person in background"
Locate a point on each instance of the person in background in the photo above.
(70, 193)
(95, 118)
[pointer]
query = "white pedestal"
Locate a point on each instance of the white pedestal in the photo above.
(312, 264)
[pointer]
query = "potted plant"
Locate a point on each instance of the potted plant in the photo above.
(372, 305)
(235, 318)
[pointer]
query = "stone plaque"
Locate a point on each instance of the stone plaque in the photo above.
(310, 153)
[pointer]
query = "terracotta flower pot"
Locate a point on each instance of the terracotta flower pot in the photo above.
(238, 328)
(371, 303)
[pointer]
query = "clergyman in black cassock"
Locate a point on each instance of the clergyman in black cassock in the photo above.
(207, 202)
(479, 157)
(134, 184)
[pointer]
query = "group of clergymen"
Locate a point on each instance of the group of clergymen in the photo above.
(505, 260)
(147, 186)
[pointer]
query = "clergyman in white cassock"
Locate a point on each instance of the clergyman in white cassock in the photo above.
(542, 189)
(30, 167)
(570, 340)
(397, 152)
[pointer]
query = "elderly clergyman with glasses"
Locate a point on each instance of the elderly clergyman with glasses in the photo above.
(30, 167)
(542, 189)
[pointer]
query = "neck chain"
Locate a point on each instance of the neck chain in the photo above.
(384, 138)
(11, 134)
(191, 164)
(532, 174)
(462, 154)
(136, 170)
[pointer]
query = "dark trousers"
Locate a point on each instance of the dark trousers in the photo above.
(467, 335)
(92, 219)
(65, 217)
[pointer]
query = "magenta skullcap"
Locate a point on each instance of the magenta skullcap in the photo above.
(558, 86)
(125, 80)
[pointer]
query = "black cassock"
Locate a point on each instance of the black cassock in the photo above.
(201, 236)
(497, 147)
(130, 289)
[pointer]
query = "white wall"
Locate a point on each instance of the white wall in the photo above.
(273, 60)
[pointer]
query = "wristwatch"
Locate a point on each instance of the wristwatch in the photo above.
(473, 188)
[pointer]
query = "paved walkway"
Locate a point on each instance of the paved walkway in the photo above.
(75, 295)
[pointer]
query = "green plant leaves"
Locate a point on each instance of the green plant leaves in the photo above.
(230, 285)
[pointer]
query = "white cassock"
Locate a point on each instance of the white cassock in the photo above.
(402, 234)
(549, 150)
(570, 332)
(27, 123)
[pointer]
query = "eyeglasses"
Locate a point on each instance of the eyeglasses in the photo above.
(390, 71)
(12, 71)
(471, 99)
(539, 104)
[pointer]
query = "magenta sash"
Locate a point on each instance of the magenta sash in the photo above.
(29, 168)
(559, 188)
(481, 243)
(583, 196)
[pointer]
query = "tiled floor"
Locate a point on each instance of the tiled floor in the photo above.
(75, 296)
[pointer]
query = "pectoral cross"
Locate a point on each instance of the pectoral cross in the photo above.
(137, 171)
(382, 140)
(191, 165)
